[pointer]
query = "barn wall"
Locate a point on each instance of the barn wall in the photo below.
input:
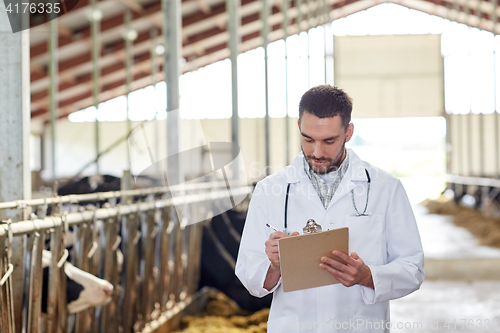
(75, 144)
(473, 144)
(391, 76)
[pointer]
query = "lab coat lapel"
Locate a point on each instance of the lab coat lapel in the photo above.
(355, 172)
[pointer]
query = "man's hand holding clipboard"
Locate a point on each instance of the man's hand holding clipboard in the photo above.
(300, 258)
(351, 272)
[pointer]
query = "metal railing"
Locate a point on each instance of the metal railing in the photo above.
(161, 256)
(486, 191)
(101, 196)
(474, 181)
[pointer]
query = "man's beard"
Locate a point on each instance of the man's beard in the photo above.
(333, 165)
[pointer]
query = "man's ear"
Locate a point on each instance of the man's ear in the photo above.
(298, 123)
(350, 132)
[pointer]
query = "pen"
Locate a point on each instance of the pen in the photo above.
(270, 226)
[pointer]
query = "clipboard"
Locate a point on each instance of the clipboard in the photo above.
(300, 258)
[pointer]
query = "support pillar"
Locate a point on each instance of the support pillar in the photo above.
(95, 25)
(153, 34)
(497, 117)
(15, 177)
(173, 47)
(234, 22)
(494, 18)
(284, 9)
(469, 116)
(264, 15)
(298, 4)
(482, 138)
(308, 28)
(328, 45)
(53, 87)
(128, 73)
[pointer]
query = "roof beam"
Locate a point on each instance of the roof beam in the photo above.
(203, 6)
(192, 49)
(132, 4)
(74, 63)
(207, 44)
(116, 21)
(217, 50)
(429, 6)
(106, 25)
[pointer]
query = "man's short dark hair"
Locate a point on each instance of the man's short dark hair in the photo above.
(326, 101)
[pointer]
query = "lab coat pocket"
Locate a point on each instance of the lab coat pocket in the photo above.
(284, 325)
(366, 235)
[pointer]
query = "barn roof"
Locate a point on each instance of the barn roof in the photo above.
(204, 37)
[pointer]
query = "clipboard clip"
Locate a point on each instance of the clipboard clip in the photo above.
(311, 226)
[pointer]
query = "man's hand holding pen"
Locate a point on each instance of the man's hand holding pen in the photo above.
(274, 273)
(272, 246)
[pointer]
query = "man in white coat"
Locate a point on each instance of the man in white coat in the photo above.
(331, 185)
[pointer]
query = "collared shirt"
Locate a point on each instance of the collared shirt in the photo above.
(326, 194)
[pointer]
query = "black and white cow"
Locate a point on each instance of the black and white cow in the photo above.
(83, 290)
(220, 244)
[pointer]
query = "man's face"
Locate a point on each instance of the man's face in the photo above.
(323, 141)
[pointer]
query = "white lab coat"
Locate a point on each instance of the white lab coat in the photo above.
(388, 242)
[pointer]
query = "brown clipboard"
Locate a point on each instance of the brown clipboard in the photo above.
(300, 257)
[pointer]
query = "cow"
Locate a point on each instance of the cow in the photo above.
(93, 184)
(220, 244)
(83, 290)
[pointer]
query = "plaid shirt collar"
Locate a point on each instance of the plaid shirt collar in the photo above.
(326, 194)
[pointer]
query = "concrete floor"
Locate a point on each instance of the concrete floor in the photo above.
(460, 304)
(471, 306)
(442, 239)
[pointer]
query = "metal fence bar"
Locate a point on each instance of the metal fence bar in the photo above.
(93, 257)
(108, 269)
(185, 256)
(4, 324)
(157, 242)
(7, 324)
(33, 278)
(25, 227)
(475, 181)
(164, 258)
(156, 238)
(55, 278)
(36, 303)
(62, 299)
(101, 196)
(147, 264)
(131, 238)
(192, 283)
(81, 248)
(197, 261)
(177, 247)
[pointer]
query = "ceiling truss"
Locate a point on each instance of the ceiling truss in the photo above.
(205, 40)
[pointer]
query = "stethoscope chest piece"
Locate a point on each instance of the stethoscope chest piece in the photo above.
(311, 226)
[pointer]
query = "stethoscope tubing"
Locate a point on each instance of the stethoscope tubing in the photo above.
(353, 202)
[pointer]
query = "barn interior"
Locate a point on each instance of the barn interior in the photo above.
(133, 133)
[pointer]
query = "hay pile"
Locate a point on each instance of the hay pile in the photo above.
(222, 315)
(486, 229)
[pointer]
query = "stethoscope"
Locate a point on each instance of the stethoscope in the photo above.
(353, 201)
